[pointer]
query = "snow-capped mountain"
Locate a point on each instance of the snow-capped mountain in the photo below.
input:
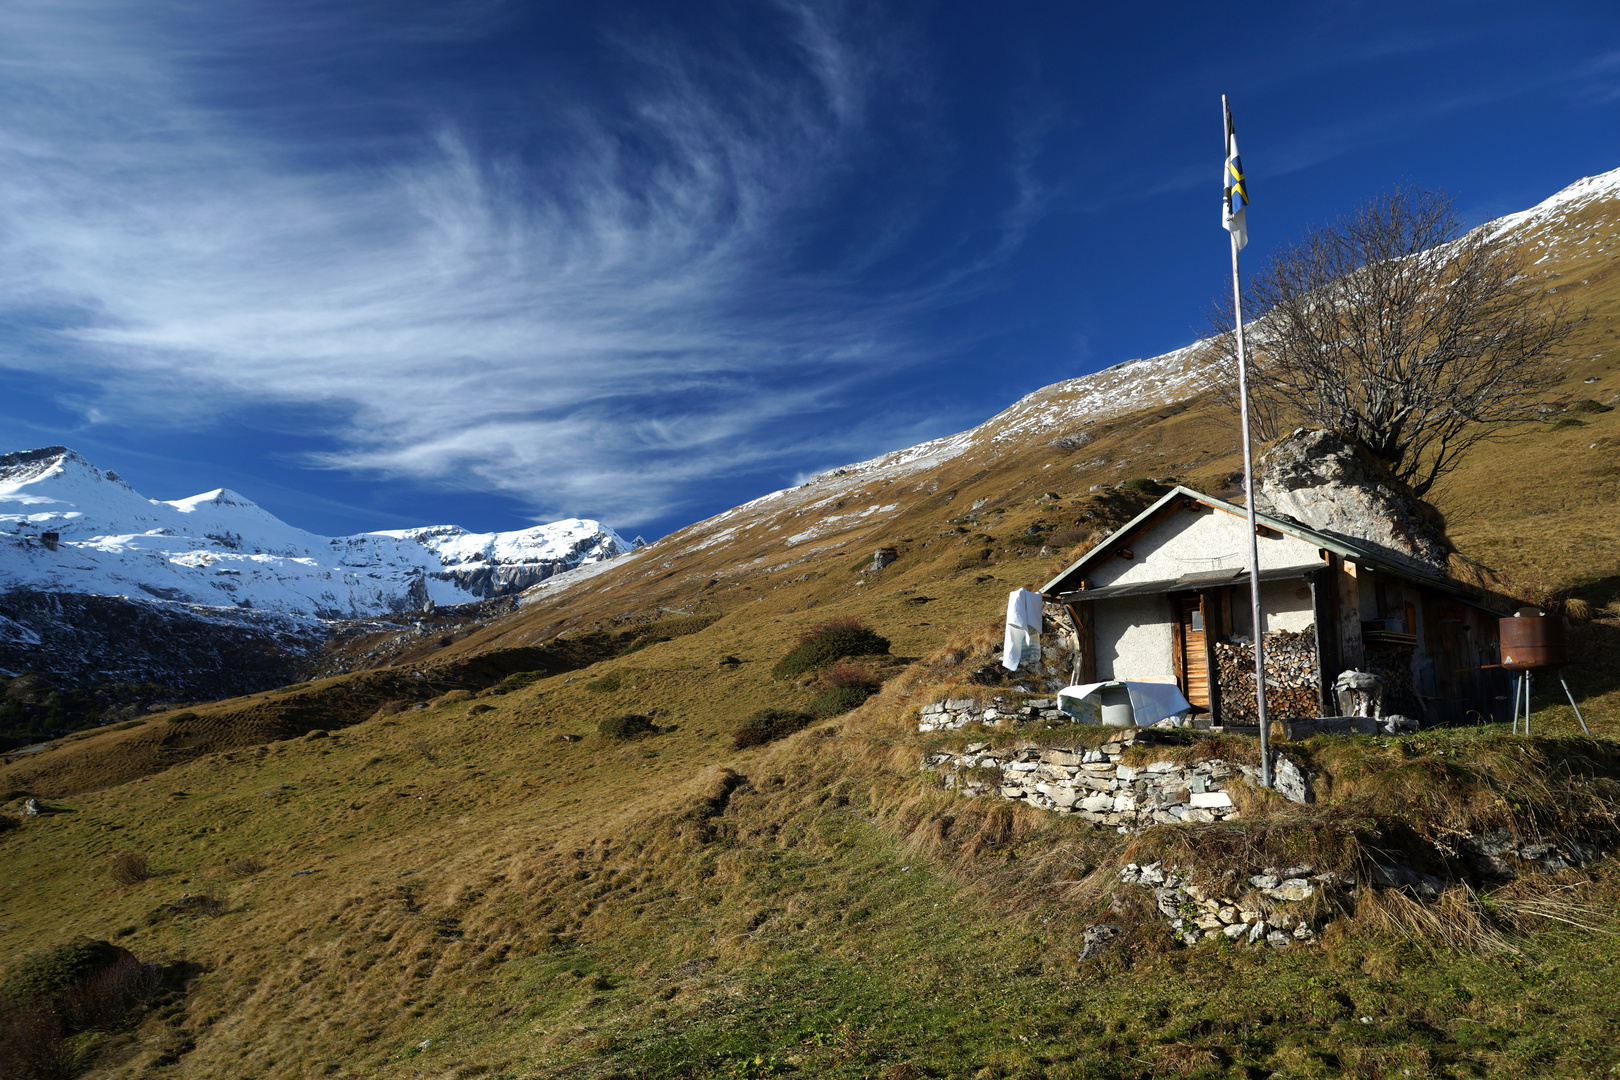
(69, 527)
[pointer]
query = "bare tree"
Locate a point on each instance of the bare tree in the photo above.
(1391, 329)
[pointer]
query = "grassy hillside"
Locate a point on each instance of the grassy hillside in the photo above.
(444, 867)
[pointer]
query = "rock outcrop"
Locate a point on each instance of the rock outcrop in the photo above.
(1317, 478)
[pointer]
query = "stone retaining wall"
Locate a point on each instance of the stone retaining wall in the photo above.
(953, 713)
(1093, 782)
(1268, 908)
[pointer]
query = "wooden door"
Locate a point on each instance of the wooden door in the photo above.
(1192, 665)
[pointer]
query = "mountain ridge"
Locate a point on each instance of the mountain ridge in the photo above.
(68, 526)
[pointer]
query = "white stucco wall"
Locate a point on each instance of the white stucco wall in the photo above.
(1133, 639)
(1281, 603)
(1182, 542)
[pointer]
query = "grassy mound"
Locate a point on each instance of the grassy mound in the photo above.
(768, 725)
(828, 642)
(627, 726)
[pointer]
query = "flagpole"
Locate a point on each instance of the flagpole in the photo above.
(1248, 500)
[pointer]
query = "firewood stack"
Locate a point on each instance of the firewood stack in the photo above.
(1393, 664)
(1292, 680)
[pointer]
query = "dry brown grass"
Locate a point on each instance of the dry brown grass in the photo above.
(129, 868)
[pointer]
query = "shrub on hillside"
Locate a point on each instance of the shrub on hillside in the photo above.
(842, 687)
(838, 700)
(46, 976)
(182, 717)
(830, 641)
(606, 684)
(518, 680)
(627, 726)
(827, 626)
(130, 868)
(1067, 538)
(54, 995)
(768, 725)
(642, 642)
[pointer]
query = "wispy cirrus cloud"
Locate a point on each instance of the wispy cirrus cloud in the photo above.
(587, 321)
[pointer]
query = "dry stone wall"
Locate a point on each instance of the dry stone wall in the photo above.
(1093, 783)
(1276, 907)
(954, 713)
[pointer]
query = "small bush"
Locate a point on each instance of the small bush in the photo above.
(182, 717)
(210, 904)
(130, 868)
(768, 725)
(606, 684)
(837, 700)
(1590, 406)
(1144, 484)
(518, 680)
(642, 642)
(77, 987)
(627, 726)
(245, 867)
(832, 642)
(846, 674)
(1067, 538)
(827, 626)
(45, 976)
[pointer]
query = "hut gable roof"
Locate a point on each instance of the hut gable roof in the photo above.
(1189, 540)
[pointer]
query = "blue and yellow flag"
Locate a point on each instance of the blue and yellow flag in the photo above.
(1235, 202)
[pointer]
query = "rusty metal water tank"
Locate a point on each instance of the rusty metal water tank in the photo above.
(1533, 641)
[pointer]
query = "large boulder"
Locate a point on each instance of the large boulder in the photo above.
(1317, 478)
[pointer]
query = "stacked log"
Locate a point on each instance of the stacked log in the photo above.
(1393, 664)
(1292, 678)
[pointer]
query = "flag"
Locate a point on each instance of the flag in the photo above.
(1235, 201)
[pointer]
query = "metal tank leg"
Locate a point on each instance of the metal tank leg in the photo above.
(1527, 678)
(1572, 704)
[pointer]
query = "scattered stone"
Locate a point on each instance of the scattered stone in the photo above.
(1293, 889)
(1096, 938)
(1289, 781)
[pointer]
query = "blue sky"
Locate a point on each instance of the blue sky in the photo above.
(381, 264)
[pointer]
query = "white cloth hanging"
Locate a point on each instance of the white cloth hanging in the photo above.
(1024, 612)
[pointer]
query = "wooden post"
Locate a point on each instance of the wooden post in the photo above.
(1348, 597)
(1085, 624)
(1210, 601)
(1324, 608)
